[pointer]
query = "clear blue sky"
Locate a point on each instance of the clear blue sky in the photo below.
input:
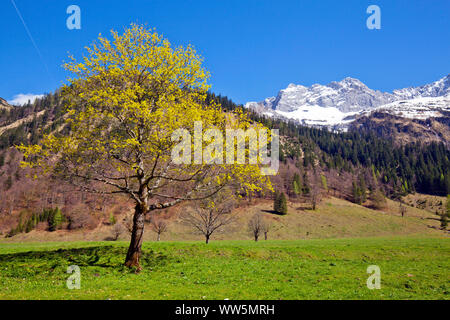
(253, 48)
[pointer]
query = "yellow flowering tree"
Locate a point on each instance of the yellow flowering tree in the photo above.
(128, 97)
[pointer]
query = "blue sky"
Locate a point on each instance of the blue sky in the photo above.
(253, 48)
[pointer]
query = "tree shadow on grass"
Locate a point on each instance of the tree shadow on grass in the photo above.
(273, 212)
(99, 256)
(304, 207)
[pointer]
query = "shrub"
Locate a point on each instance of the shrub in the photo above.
(280, 203)
(55, 220)
(81, 219)
(112, 219)
(378, 200)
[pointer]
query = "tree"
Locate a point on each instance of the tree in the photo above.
(132, 100)
(112, 219)
(117, 230)
(283, 204)
(297, 184)
(265, 228)
(314, 194)
(306, 187)
(276, 201)
(402, 209)
(280, 203)
(324, 182)
(444, 221)
(448, 205)
(159, 226)
(256, 225)
(445, 215)
(8, 183)
(207, 216)
(378, 200)
(55, 219)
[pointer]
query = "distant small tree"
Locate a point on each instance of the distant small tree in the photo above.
(210, 215)
(117, 230)
(324, 182)
(306, 187)
(55, 219)
(402, 209)
(112, 219)
(448, 205)
(296, 185)
(265, 228)
(445, 215)
(276, 201)
(8, 183)
(159, 226)
(256, 225)
(444, 221)
(378, 200)
(280, 203)
(314, 194)
(283, 204)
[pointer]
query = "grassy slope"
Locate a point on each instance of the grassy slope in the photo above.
(302, 269)
(334, 218)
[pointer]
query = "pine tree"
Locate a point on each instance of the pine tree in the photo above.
(276, 201)
(363, 189)
(356, 191)
(283, 204)
(306, 187)
(324, 182)
(378, 200)
(444, 221)
(55, 219)
(297, 184)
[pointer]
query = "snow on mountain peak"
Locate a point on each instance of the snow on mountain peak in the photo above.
(337, 103)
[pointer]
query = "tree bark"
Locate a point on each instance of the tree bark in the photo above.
(207, 239)
(159, 237)
(134, 250)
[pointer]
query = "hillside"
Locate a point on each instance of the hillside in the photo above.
(404, 130)
(333, 218)
(4, 105)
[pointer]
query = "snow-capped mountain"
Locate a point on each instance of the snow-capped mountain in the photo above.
(339, 103)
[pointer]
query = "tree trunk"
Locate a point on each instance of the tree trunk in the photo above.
(134, 250)
(256, 237)
(265, 235)
(159, 237)
(207, 239)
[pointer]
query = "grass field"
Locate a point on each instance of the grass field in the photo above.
(411, 268)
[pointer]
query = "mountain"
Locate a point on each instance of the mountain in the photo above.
(403, 130)
(337, 104)
(4, 105)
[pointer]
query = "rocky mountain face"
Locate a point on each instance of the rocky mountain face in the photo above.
(4, 104)
(404, 130)
(337, 104)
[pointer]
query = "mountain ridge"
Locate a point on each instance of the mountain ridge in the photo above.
(340, 102)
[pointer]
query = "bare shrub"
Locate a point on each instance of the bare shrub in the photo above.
(80, 218)
(257, 226)
(159, 226)
(117, 230)
(210, 215)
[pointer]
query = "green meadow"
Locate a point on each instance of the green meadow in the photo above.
(411, 268)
